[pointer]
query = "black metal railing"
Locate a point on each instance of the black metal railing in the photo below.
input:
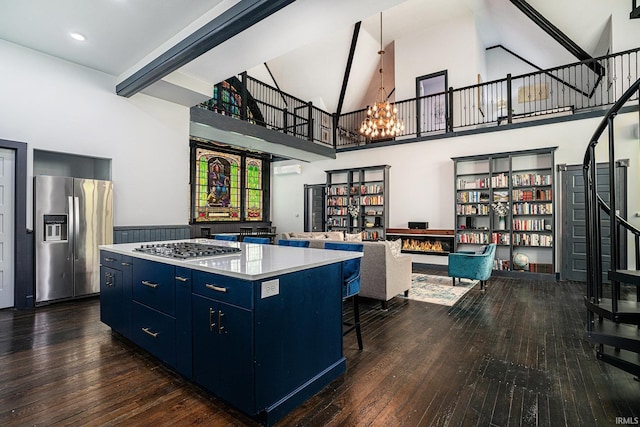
(564, 90)
(264, 105)
(596, 207)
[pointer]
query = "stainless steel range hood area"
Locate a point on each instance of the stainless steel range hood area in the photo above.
(215, 127)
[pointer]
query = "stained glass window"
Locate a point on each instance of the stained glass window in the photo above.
(217, 187)
(253, 201)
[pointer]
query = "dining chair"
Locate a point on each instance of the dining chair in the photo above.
(296, 243)
(227, 237)
(260, 240)
(350, 284)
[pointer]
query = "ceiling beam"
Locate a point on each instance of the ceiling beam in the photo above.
(558, 35)
(223, 27)
(347, 70)
(635, 11)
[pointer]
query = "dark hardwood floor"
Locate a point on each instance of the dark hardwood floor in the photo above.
(514, 355)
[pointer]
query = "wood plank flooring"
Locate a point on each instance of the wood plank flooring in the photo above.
(513, 355)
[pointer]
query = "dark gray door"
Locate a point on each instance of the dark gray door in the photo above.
(314, 207)
(574, 246)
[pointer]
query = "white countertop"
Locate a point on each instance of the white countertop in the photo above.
(254, 262)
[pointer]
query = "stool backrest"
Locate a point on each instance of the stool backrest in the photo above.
(260, 240)
(296, 243)
(350, 268)
(227, 237)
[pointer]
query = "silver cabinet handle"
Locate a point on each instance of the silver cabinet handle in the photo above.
(108, 280)
(148, 332)
(220, 327)
(211, 323)
(126, 264)
(216, 288)
(107, 259)
(150, 284)
(182, 279)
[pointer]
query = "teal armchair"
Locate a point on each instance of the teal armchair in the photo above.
(470, 265)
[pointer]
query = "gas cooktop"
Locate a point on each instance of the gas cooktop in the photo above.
(186, 250)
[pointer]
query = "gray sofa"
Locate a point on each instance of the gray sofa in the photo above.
(383, 276)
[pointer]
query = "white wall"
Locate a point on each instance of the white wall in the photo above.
(421, 186)
(58, 106)
(437, 48)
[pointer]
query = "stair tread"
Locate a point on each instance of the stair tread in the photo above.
(625, 276)
(624, 306)
(623, 355)
(628, 311)
(618, 330)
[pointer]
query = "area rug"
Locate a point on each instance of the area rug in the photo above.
(438, 289)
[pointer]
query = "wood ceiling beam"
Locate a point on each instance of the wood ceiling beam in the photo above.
(223, 27)
(347, 71)
(558, 35)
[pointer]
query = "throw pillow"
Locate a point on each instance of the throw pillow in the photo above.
(319, 236)
(395, 246)
(356, 237)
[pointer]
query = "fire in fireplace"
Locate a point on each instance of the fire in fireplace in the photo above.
(424, 242)
(430, 245)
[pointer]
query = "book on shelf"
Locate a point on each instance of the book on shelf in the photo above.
(500, 180)
(526, 208)
(471, 184)
(473, 197)
(529, 179)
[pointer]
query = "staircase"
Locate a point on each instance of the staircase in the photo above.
(613, 308)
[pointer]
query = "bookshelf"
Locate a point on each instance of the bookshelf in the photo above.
(360, 191)
(522, 184)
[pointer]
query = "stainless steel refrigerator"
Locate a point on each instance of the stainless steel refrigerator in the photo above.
(71, 218)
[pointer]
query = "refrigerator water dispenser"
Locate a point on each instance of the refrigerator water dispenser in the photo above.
(55, 228)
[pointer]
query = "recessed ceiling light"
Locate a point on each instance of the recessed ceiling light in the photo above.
(77, 36)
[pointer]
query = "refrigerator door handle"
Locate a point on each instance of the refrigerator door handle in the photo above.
(76, 225)
(71, 235)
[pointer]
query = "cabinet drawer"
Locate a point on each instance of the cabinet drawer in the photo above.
(154, 285)
(222, 288)
(155, 332)
(110, 259)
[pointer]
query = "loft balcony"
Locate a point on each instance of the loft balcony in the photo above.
(254, 115)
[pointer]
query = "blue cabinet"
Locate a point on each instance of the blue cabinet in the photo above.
(115, 292)
(111, 296)
(263, 346)
(223, 351)
(154, 285)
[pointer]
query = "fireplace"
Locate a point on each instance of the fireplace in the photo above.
(424, 242)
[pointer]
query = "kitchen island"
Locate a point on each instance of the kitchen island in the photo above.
(260, 328)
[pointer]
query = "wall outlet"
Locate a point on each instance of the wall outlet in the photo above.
(270, 288)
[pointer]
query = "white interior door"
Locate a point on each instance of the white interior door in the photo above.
(7, 201)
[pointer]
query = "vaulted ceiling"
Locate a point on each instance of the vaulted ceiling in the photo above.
(309, 38)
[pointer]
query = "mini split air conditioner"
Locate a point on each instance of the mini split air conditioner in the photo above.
(287, 170)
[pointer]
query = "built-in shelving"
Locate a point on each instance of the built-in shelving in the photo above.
(522, 183)
(357, 201)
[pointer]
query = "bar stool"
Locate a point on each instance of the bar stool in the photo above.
(350, 284)
(246, 231)
(227, 237)
(262, 230)
(296, 243)
(260, 240)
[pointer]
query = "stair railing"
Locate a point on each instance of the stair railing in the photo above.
(594, 205)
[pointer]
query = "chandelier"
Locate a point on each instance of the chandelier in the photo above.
(381, 120)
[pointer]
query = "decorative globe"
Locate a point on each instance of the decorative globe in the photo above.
(520, 262)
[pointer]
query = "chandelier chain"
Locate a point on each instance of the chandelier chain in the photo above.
(381, 120)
